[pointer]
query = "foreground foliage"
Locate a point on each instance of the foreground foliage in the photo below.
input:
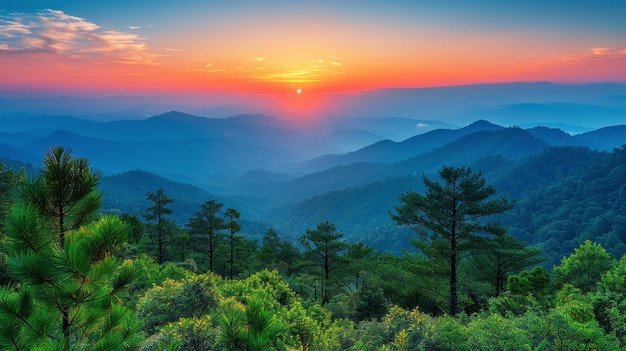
(66, 279)
(264, 312)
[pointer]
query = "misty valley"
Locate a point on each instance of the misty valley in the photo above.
(487, 226)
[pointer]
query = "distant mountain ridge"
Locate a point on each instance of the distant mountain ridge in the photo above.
(606, 138)
(40, 124)
(390, 151)
(213, 153)
(511, 143)
(583, 117)
(178, 145)
(601, 104)
(354, 190)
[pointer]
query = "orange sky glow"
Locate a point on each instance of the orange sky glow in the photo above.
(321, 50)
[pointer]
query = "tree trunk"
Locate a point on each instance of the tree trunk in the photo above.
(454, 299)
(61, 225)
(499, 278)
(65, 326)
(211, 251)
(232, 254)
(160, 240)
(326, 278)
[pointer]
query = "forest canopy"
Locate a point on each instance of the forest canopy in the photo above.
(76, 278)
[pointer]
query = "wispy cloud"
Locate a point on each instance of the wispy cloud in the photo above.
(612, 51)
(292, 70)
(596, 54)
(295, 76)
(12, 29)
(209, 68)
(55, 32)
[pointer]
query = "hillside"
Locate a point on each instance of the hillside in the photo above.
(605, 138)
(126, 193)
(581, 199)
(565, 195)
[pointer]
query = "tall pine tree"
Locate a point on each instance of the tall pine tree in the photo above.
(206, 227)
(157, 213)
(233, 227)
(450, 219)
(323, 246)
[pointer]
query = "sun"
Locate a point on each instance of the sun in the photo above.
(298, 91)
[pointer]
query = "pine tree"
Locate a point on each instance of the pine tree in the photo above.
(9, 181)
(323, 247)
(496, 259)
(450, 219)
(358, 258)
(67, 295)
(268, 254)
(206, 227)
(66, 191)
(233, 228)
(157, 213)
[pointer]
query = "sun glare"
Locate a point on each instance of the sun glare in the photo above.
(298, 91)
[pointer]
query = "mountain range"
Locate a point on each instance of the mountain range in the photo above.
(350, 170)
(210, 152)
(262, 157)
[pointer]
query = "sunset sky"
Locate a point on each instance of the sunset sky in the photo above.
(319, 47)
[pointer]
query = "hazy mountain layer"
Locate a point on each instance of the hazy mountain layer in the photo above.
(568, 186)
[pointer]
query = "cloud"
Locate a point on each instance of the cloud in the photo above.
(295, 76)
(55, 32)
(174, 49)
(208, 69)
(12, 29)
(597, 54)
(5, 47)
(600, 51)
(289, 69)
(613, 51)
(133, 27)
